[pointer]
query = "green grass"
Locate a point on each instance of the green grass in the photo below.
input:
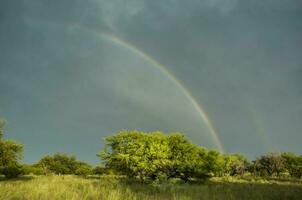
(76, 188)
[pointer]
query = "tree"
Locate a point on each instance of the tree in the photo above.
(157, 157)
(32, 169)
(102, 170)
(61, 163)
(2, 125)
(215, 163)
(187, 160)
(235, 165)
(271, 164)
(141, 155)
(83, 170)
(10, 154)
(99, 170)
(293, 164)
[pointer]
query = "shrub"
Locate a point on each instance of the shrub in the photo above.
(83, 170)
(100, 170)
(32, 169)
(12, 171)
(61, 163)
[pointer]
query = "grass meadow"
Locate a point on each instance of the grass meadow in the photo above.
(109, 188)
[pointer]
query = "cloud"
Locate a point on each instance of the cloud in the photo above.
(117, 13)
(112, 12)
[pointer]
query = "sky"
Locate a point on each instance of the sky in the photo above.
(74, 72)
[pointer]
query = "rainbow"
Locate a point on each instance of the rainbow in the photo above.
(122, 43)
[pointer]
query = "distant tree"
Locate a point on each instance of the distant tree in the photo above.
(2, 125)
(293, 164)
(61, 163)
(235, 165)
(102, 170)
(83, 169)
(99, 170)
(10, 154)
(271, 164)
(28, 169)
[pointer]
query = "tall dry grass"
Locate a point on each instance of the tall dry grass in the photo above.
(77, 188)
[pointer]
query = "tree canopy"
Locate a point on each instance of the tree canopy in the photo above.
(61, 163)
(10, 154)
(151, 156)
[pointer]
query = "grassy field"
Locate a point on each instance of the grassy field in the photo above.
(76, 188)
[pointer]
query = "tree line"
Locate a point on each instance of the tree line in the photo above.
(150, 157)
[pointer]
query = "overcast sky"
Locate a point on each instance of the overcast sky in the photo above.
(64, 87)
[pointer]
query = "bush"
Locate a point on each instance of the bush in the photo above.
(100, 170)
(32, 169)
(12, 171)
(61, 163)
(83, 170)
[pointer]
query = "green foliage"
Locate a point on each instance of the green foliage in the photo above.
(293, 164)
(61, 163)
(2, 125)
(99, 170)
(136, 154)
(215, 163)
(235, 165)
(83, 170)
(269, 165)
(32, 169)
(186, 160)
(12, 171)
(10, 154)
(158, 157)
(153, 157)
(102, 170)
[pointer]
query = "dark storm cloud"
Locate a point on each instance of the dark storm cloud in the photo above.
(240, 59)
(230, 53)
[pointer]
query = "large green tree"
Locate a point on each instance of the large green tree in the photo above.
(141, 155)
(10, 154)
(155, 156)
